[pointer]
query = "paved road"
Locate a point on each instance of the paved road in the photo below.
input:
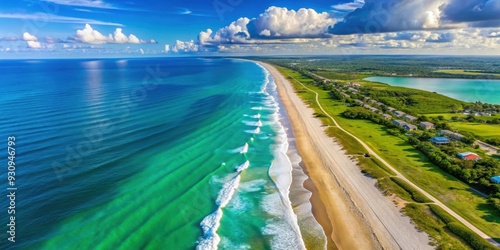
(392, 229)
(398, 174)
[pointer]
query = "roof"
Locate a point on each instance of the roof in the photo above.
(410, 126)
(465, 154)
(427, 123)
(472, 157)
(410, 117)
(440, 139)
(496, 178)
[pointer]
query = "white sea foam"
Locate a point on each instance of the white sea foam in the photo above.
(257, 130)
(286, 233)
(209, 225)
(242, 167)
(256, 108)
(227, 192)
(244, 150)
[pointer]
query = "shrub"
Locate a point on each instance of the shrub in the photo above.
(474, 240)
(415, 194)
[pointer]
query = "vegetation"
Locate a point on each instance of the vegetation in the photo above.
(485, 131)
(415, 194)
(342, 67)
(465, 72)
(471, 238)
(435, 227)
(398, 152)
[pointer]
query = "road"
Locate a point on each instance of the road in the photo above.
(398, 174)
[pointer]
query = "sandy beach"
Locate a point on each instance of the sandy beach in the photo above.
(352, 211)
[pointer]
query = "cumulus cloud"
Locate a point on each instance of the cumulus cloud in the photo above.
(441, 38)
(189, 46)
(273, 23)
(28, 37)
(391, 16)
(167, 48)
(34, 44)
(92, 36)
(284, 23)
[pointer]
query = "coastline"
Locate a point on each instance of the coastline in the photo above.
(352, 220)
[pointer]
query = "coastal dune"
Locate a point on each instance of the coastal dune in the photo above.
(358, 215)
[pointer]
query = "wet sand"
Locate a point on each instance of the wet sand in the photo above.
(352, 211)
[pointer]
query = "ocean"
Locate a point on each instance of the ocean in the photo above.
(184, 153)
(468, 90)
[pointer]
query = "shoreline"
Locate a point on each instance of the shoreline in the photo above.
(350, 199)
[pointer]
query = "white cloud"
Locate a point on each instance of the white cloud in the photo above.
(349, 7)
(273, 23)
(89, 35)
(34, 44)
(28, 37)
(56, 19)
(293, 24)
(83, 3)
(189, 46)
(92, 36)
(167, 48)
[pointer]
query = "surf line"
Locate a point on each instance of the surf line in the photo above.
(210, 239)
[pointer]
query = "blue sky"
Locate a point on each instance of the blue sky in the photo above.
(79, 28)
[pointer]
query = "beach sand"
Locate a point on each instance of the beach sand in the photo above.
(352, 211)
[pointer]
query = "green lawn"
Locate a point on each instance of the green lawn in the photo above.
(487, 131)
(415, 166)
(463, 72)
(448, 116)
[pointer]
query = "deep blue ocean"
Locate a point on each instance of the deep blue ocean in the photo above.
(145, 154)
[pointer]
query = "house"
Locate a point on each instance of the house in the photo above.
(468, 156)
(372, 101)
(379, 104)
(410, 127)
(399, 123)
(359, 102)
(355, 84)
(426, 125)
(387, 117)
(410, 118)
(452, 135)
(374, 110)
(440, 140)
(391, 109)
(496, 179)
(399, 113)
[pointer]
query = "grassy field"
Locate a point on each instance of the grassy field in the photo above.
(411, 100)
(487, 131)
(416, 167)
(463, 72)
(448, 116)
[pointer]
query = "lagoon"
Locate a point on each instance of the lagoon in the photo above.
(469, 90)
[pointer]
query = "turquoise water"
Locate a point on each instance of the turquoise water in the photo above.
(469, 90)
(148, 154)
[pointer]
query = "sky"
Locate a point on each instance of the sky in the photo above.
(134, 28)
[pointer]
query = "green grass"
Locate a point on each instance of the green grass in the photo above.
(415, 194)
(410, 100)
(463, 72)
(448, 116)
(486, 131)
(413, 164)
(427, 222)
